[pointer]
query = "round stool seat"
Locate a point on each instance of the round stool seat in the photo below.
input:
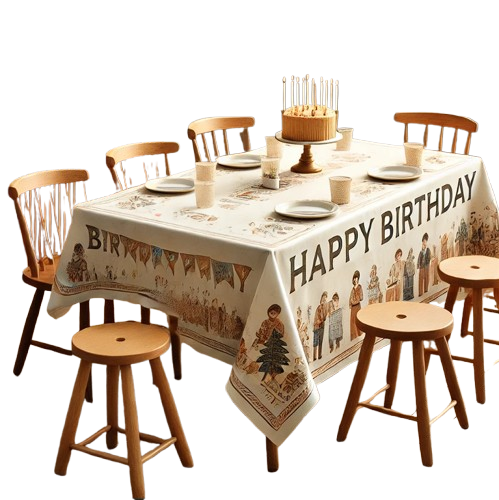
(470, 271)
(123, 343)
(405, 321)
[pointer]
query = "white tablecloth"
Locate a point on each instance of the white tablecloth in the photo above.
(275, 296)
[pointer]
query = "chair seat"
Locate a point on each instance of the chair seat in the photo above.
(470, 271)
(122, 343)
(405, 321)
(43, 281)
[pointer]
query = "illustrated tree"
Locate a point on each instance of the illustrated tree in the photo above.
(273, 355)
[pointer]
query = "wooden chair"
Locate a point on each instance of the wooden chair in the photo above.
(442, 121)
(118, 346)
(404, 322)
(478, 273)
(44, 204)
(205, 126)
(122, 178)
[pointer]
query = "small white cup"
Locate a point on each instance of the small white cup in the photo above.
(205, 193)
(205, 170)
(413, 153)
(345, 143)
(270, 172)
(340, 189)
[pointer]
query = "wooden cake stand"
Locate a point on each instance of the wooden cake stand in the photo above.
(306, 163)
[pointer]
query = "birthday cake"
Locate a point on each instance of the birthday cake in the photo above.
(313, 114)
(309, 123)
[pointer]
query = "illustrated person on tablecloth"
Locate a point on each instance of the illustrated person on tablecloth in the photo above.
(335, 323)
(374, 294)
(395, 282)
(319, 320)
(409, 272)
(269, 325)
(77, 268)
(462, 237)
(356, 296)
(302, 328)
(424, 259)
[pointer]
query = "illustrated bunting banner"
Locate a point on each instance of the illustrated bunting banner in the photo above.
(189, 263)
(204, 266)
(223, 271)
(242, 272)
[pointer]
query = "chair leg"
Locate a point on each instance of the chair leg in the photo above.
(478, 357)
(112, 373)
(176, 347)
(72, 418)
(108, 311)
(145, 315)
(357, 385)
(452, 383)
(29, 328)
(132, 434)
(392, 372)
(423, 417)
(171, 414)
(85, 323)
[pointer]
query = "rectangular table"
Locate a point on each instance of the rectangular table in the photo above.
(273, 296)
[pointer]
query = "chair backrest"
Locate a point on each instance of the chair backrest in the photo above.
(209, 126)
(44, 204)
(441, 120)
(123, 179)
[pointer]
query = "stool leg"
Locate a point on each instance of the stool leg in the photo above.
(452, 384)
(161, 382)
(112, 374)
(450, 300)
(72, 418)
(468, 305)
(423, 417)
(357, 385)
(108, 311)
(478, 360)
(85, 323)
(392, 372)
(145, 315)
(132, 433)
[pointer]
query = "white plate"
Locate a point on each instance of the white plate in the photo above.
(307, 209)
(395, 173)
(240, 160)
(170, 185)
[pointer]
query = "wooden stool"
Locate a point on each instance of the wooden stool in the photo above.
(477, 272)
(402, 322)
(118, 346)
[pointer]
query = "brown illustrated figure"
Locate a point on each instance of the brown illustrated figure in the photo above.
(335, 323)
(395, 283)
(319, 320)
(374, 294)
(77, 268)
(424, 259)
(270, 324)
(356, 296)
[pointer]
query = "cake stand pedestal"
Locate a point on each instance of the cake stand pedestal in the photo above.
(306, 163)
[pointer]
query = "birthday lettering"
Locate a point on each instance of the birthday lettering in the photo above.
(95, 242)
(393, 223)
(299, 266)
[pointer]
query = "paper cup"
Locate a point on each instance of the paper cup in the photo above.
(205, 193)
(205, 170)
(413, 153)
(345, 142)
(340, 189)
(274, 147)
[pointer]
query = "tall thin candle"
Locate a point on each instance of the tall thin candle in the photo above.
(337, 94)
(284, 93)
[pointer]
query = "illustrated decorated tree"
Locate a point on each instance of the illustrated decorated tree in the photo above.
(273, 355)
